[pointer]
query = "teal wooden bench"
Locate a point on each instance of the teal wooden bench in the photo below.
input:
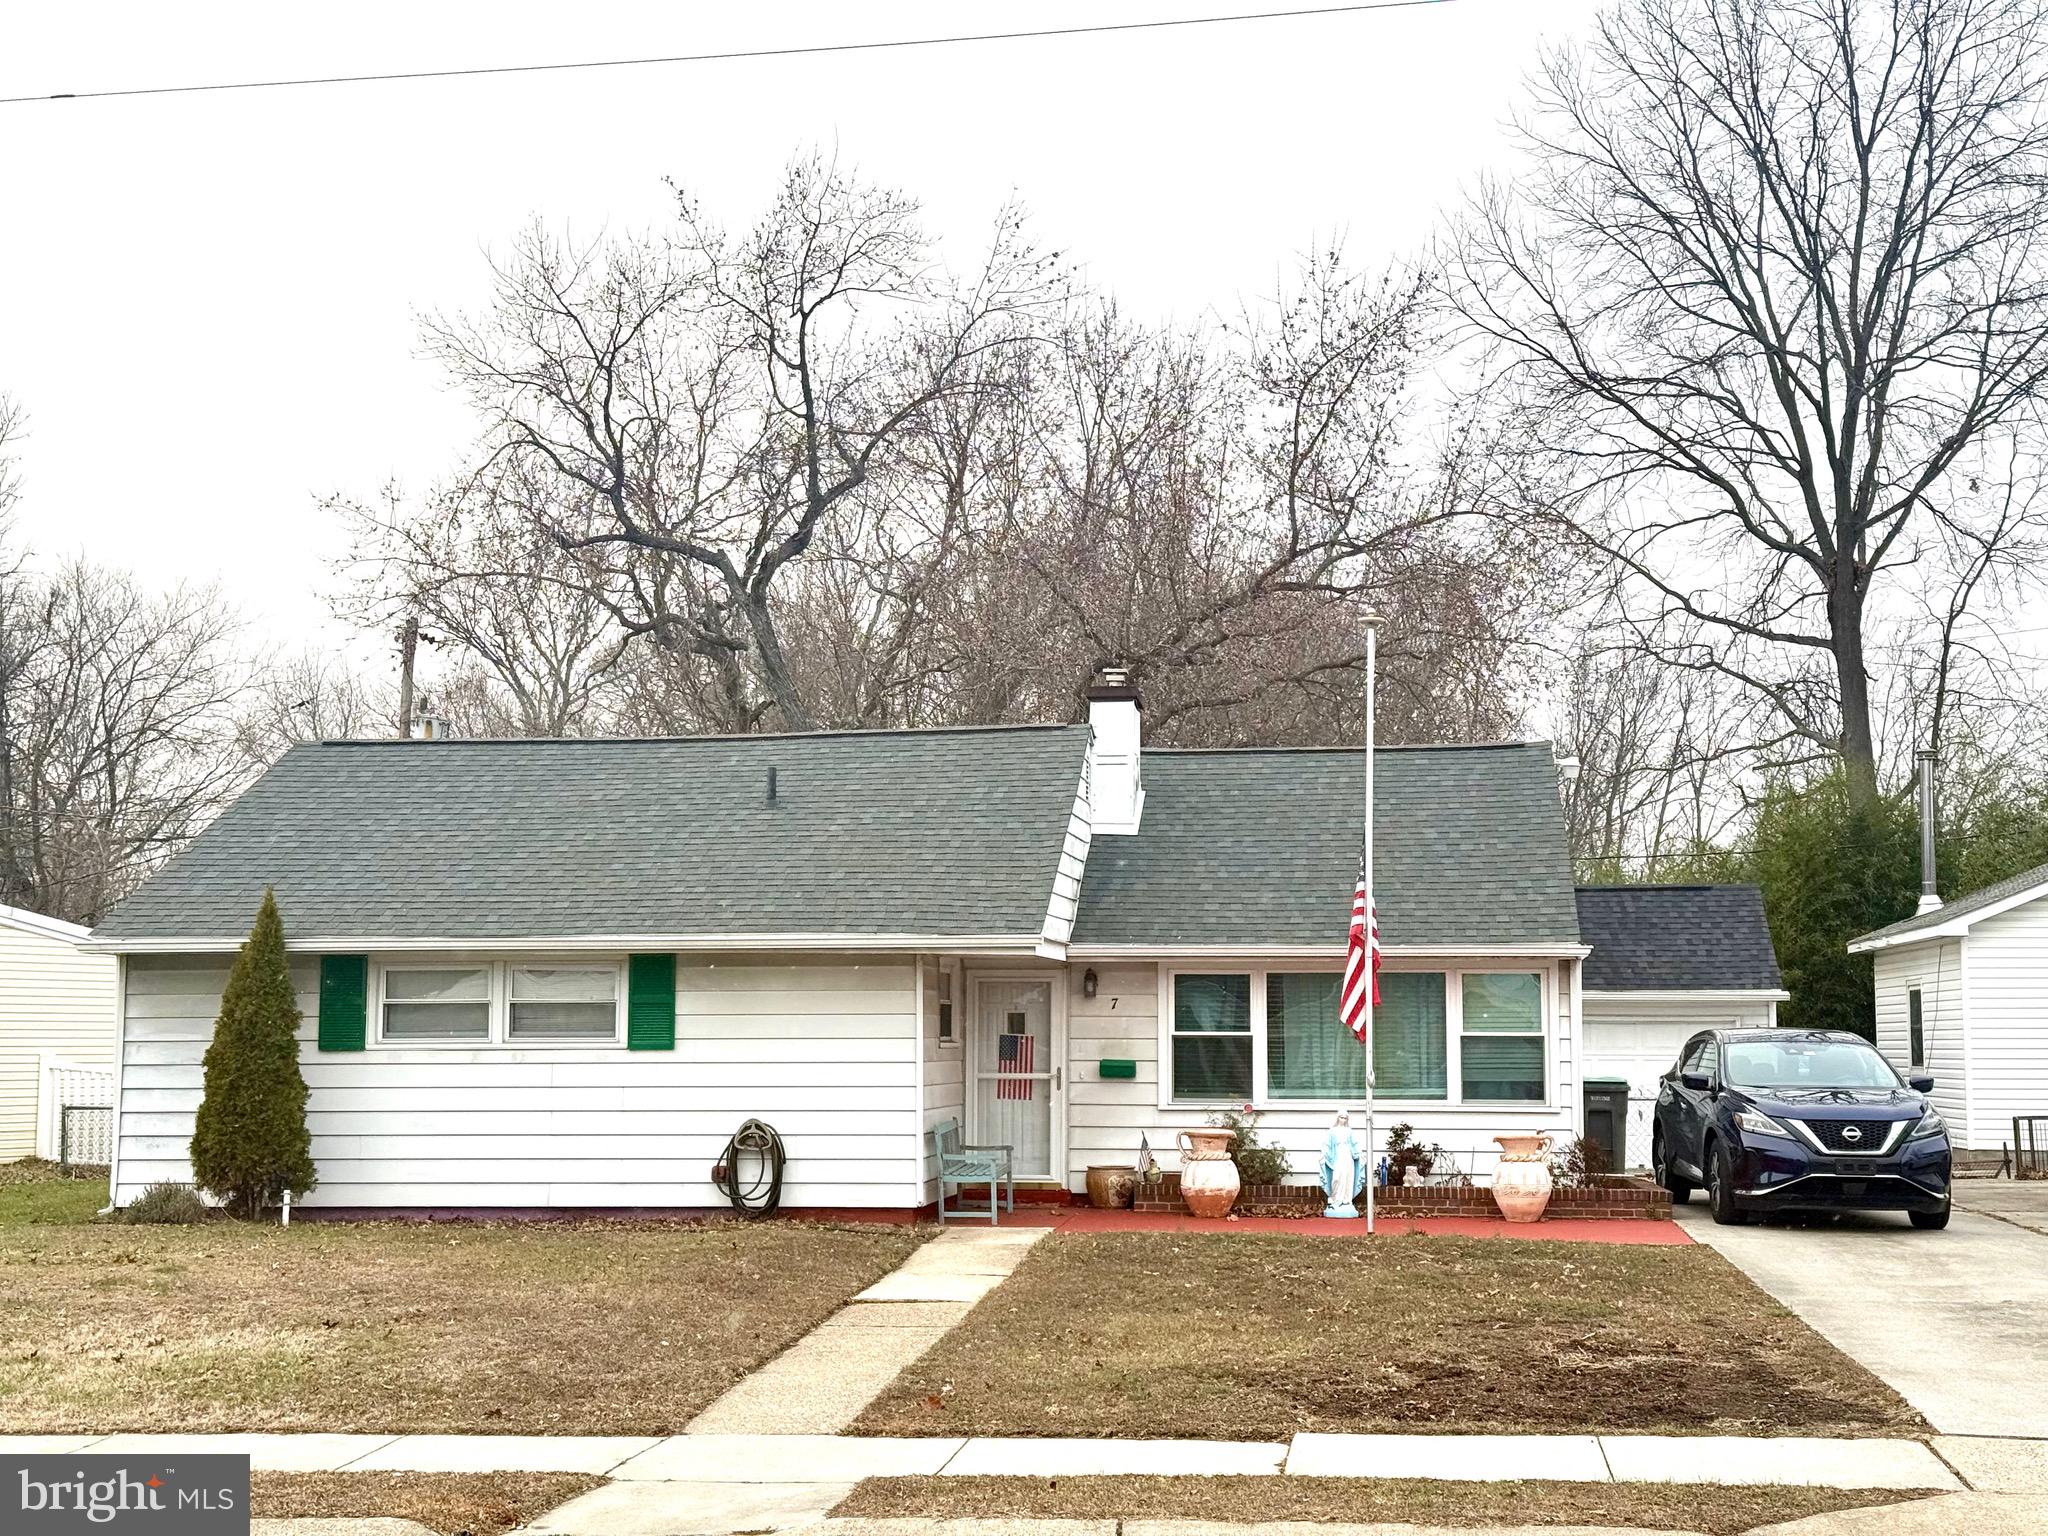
(962, 1164)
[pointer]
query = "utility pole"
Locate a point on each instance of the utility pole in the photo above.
(408, 650)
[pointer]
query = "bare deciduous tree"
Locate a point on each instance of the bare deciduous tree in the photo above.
(1769, 296)
(120, 737)
(703, 402)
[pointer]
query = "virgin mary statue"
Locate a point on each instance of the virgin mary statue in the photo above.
(1343, 1168)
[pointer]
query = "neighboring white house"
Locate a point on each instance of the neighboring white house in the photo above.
(1667, 961)
(56, 1004)
(1962, 994)
(561, 973)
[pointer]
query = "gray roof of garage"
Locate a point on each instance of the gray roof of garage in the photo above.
(941, 832)
(1962, 906)
(1662, 938)
(1259, 847)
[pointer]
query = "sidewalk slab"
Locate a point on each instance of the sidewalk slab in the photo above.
(1451, 1458)
(596, 1454)
(266, 1452)
(897, 1314)
(1376, 1528)
(1996, 1466)
(689, 1509)
(1798, 1460)
(787, 1458)
(913, 1285)
(1026, 1457)
(46, 1445)
(337, 1525)
(1950, 1514)
(1009, 1525)
(818, 1385)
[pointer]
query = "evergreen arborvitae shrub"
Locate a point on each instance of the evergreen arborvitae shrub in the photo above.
(249, 1144)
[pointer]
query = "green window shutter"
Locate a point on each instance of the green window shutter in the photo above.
(344, 1001)
(651, 1003)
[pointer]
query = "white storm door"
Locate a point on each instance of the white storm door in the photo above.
(1014, 1076)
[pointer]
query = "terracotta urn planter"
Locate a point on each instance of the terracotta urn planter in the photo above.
(1111, 1186)
(1521, 1182)
(1208, 1177)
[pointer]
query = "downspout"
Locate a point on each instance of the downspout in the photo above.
(120, 1057)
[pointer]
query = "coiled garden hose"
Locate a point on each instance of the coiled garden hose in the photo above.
(758, 1191)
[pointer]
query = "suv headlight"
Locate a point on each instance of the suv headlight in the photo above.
(1757, 1123)
(1930, 1124)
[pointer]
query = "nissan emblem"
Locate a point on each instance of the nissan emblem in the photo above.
(1852, 1133)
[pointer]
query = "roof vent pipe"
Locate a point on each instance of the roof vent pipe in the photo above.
(1930, 895)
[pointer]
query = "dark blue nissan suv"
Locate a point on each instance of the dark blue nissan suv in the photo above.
(1770, 1120)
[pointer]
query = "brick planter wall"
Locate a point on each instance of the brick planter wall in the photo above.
(1613, 1199)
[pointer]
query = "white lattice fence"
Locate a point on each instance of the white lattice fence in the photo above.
(1641, 1119)
(74, 1111)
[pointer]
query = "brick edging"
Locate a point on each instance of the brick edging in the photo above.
(1615, 1200)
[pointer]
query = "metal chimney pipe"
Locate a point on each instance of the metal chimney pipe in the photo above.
(1930, 895)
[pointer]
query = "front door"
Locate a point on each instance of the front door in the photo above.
(1014, 1072)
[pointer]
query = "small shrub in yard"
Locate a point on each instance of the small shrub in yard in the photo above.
(1578, 1164)
(249, 1142)
(1405, 1152)
(1256, 1164)
(165, 1205)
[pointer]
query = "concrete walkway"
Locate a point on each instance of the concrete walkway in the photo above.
(1948, 1463)
(820, 1384)
(1952, 1321)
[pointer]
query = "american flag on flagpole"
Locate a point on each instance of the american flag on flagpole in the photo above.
(1361, 959)
(1013, 1066)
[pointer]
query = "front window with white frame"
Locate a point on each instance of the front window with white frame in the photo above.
(1275, 1036)
(499, 1003)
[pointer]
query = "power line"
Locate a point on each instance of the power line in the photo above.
(799, 51)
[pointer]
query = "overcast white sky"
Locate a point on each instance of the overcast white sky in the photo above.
(207, 302)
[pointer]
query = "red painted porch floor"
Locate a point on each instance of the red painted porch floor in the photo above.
(1083, 1218)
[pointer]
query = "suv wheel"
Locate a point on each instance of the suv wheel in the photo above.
(1660, 1165)
(1721, 1188)
(1930, 1221)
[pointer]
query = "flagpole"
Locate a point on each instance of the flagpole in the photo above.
(1372, 1174)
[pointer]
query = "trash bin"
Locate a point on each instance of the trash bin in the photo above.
(1606, 1109)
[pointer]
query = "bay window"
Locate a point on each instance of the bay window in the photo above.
(499, 1002)
(1270, 1036)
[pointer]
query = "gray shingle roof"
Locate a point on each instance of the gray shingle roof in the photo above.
(1962, 906)
(948, 832)
(1654, 938)
(1261, 847)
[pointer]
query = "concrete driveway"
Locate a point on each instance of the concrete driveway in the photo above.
(1955, 1321)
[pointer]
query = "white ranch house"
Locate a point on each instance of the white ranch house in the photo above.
(1962, 994)
(56, 1029)
(545, 974)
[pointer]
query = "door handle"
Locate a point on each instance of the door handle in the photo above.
(1056, 1077)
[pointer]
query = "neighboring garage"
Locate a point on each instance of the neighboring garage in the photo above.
(1667, 960)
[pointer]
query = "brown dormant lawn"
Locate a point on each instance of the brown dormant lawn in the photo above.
(452, 1503)
(1351, 1500)
(1257, 1336)
(514, 1328)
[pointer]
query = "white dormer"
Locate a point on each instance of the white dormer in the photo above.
(1116, 793)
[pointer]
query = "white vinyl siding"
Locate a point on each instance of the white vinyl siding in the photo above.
(822, 1048)
(2006, 967)
(945, 1066)
(1106, 1117)
(53, 997)
(1936, 969)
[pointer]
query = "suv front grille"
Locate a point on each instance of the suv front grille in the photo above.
(1836, 1135)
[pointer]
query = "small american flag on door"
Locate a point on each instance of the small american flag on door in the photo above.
(1014, 1055)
